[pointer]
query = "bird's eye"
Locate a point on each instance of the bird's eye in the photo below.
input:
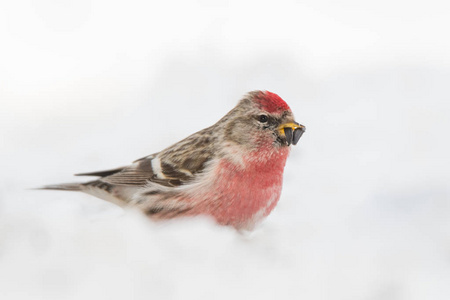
(263, 118)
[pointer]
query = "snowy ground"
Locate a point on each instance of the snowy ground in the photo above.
(365, 209)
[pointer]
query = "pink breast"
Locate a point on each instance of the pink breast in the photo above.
(242, 196)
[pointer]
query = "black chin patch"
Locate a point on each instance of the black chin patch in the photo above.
(297, 135)
(288, 134)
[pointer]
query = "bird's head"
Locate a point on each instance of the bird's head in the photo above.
(262, 119)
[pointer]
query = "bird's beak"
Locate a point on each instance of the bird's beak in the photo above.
(291, 131)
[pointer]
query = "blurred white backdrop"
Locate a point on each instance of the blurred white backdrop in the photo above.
(91, 85)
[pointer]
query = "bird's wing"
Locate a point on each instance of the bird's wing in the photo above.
(174, 166)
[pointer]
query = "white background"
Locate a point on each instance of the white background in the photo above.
(91, 85)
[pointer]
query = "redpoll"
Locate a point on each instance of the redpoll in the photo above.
(232, 171)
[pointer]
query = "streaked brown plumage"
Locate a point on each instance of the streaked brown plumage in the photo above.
(247, 148)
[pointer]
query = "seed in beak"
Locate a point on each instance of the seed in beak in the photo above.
(297, 134)
(288, 135)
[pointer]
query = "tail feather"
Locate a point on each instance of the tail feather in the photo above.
(62, 187)
(102, 173)
(96, 188)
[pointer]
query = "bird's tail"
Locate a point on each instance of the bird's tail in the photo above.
(62, 187)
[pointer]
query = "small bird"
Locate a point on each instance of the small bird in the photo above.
(231, 171)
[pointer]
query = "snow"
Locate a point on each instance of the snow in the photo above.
(92, 85)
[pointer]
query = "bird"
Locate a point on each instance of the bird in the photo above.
(231, 171)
